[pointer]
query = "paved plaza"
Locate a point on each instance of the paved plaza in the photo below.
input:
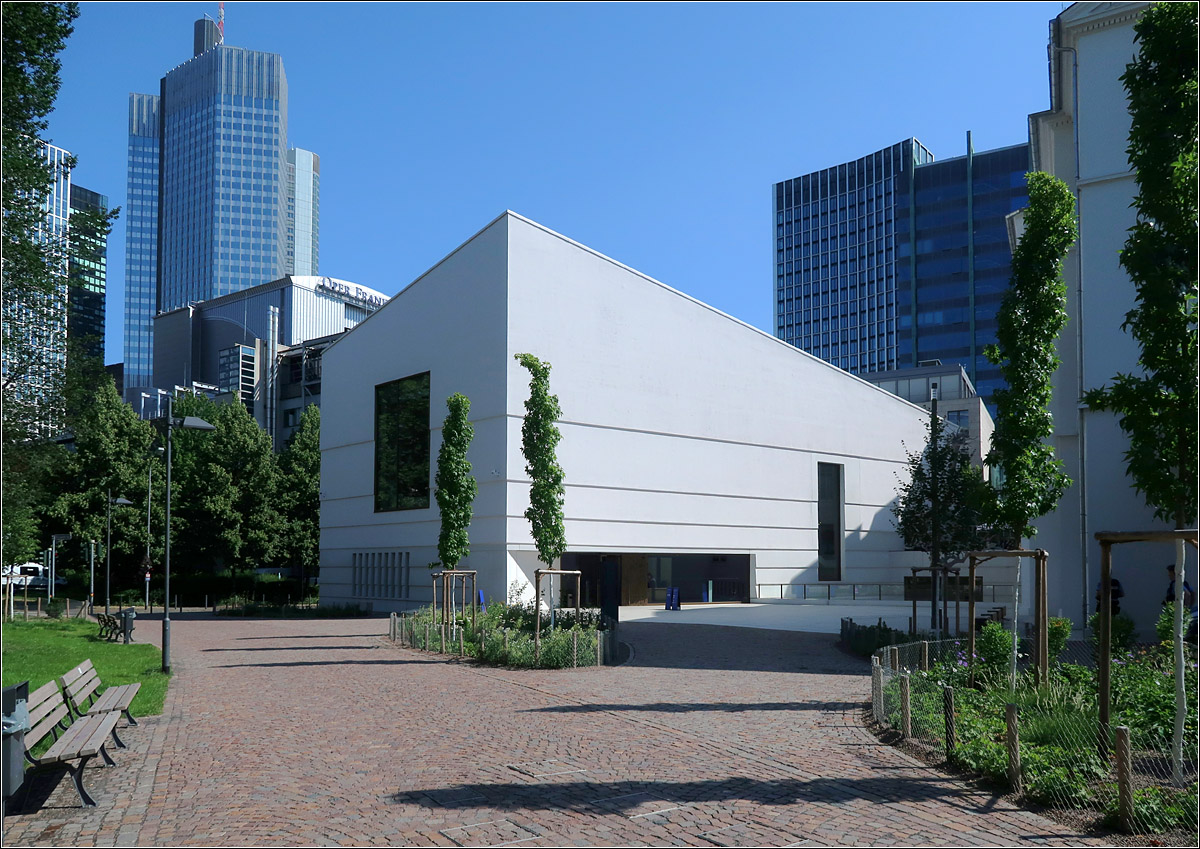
(321, 732)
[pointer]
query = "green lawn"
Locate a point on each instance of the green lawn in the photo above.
(37, 651)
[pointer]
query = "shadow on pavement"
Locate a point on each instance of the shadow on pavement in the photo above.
(689, 707)
(293, 648)
(625, 796)
(670, 646)
(322, 663)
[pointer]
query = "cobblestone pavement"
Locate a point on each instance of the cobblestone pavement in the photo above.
(322, 732)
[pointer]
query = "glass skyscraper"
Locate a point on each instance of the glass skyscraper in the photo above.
(209, 161)
(88, 270)
(36, 325)
(845, 263)
(303, 212)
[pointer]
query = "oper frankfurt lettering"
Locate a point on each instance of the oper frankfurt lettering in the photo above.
(358, 293)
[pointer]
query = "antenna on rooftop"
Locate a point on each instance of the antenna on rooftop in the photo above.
(221, 23)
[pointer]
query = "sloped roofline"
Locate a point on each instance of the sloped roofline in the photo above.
(508, 213)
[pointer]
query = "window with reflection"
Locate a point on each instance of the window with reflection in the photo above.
(402, 444)
(829, 522)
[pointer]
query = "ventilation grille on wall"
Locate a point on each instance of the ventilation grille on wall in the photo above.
(381, 574)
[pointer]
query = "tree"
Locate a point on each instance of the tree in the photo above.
(223, 491)
(539, 438)
(943, 469)
(34, 269)
(456, 488)
(300, 494)
(1031, 314)
(33, 36)
(111, 453)
(1158, 409)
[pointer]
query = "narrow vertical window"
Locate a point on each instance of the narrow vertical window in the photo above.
(402, 444)
(829, 522)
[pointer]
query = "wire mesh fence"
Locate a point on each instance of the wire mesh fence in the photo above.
(1045, 741)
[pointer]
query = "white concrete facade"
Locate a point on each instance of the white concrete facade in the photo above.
(1081, 139)
(684, 430)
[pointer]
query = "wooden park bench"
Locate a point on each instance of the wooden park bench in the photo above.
(74, 739)
(110, 626)
(80, 687)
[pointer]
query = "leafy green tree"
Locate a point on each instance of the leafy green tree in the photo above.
(300, 494)
(223, 491)
(539, 439)
(33, 36)
(456, 487)
(1158, 408)
(112, 450)
(34, 265)
(1032, 313)
(964, 499)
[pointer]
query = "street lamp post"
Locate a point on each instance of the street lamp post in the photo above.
(187, 423)
(108, 546)
(55, 539)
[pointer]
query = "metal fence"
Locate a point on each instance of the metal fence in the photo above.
(992, 593)
(1046, 742)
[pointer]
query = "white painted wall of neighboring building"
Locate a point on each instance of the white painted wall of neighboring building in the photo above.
(683, 429)
(1100, 293)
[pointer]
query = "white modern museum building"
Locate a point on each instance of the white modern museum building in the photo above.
(702, 452)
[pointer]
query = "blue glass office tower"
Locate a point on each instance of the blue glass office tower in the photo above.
(141, 238)
(955, 220)
(208, 187)
(845, 265)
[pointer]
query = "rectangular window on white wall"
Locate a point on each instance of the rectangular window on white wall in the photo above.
(381, 574)
(830, 508)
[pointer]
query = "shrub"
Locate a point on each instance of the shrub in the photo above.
(1057, 635)
(1158, 809)
(865, 640)
(1123, 632)
(993, 646)
(1054, 775)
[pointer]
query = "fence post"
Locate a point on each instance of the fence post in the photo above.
(1012, 741)
(599, 655)
(924, 655)
(461, 641)
(951, 725)
(506, 645)
(574, 649)
(1124, 780)
(895, 658)
(426, 646)
(905, 706)
(876, 688)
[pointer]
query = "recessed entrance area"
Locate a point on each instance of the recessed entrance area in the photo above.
(644, 578)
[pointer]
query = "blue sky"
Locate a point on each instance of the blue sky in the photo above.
(650, 132)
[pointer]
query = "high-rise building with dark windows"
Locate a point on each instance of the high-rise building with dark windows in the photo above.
(87, 276)
(210, 212)
(895, 259)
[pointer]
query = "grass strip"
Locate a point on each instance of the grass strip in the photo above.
(40, 650)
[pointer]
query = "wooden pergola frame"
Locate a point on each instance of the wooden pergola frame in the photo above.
(447, 578)
(538, 574)
(1041, 618)
(1107, 540)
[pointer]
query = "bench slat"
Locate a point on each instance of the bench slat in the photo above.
(116, 698)
(37, 732)
(43, 701)
(68, 745)
(99, 736)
